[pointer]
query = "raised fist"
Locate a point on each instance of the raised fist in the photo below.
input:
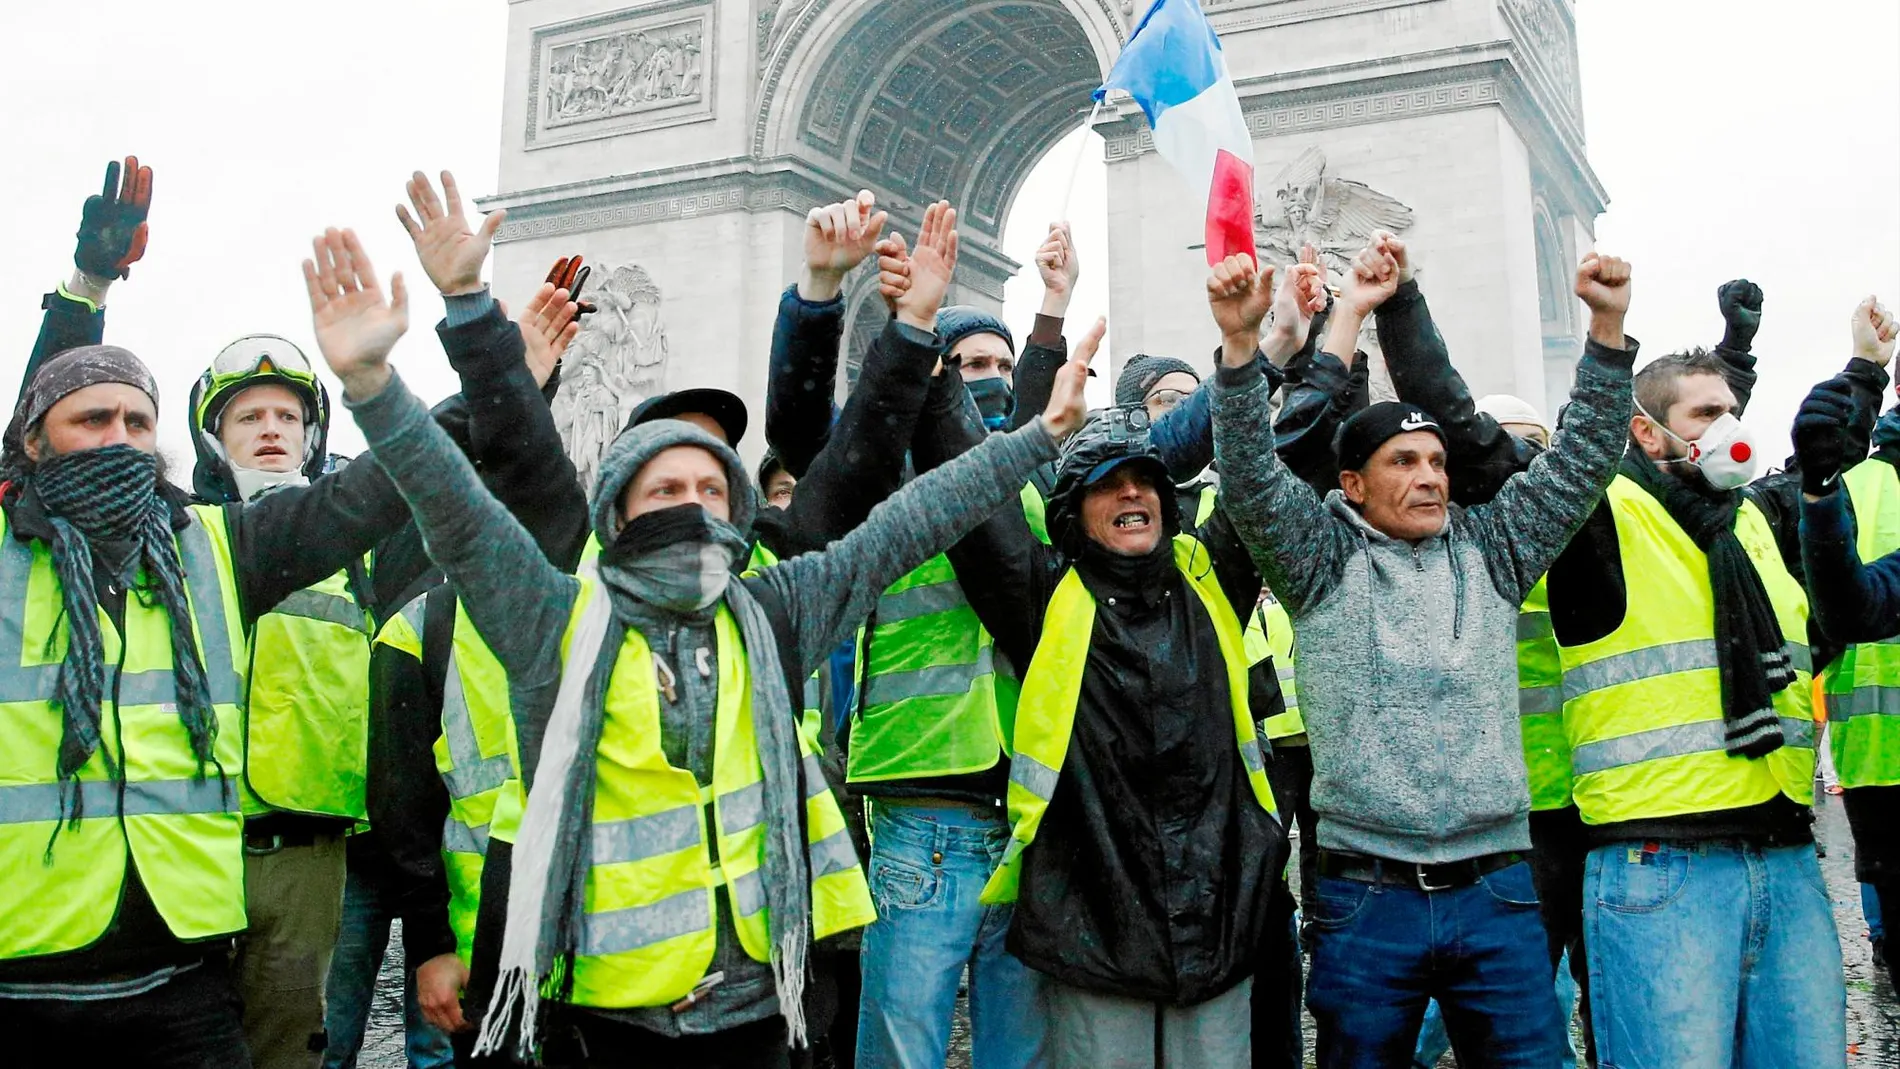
(1740, 302)
(1874, 329)
(1603, 284)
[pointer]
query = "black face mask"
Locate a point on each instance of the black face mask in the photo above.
(994, 400)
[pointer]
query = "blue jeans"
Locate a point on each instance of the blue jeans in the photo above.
(1382, 951)
(928, 867)
(1433, 1042)
(1712, 954)
(361, 941)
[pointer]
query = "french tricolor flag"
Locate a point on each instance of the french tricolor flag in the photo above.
(1173, 67)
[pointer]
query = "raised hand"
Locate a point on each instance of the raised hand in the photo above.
(893, 270)
(932, 263)
(1819, 447)
(450, 252)
(1372, 277)
(1874, 328)
(1301, 296)
(1059, 267)
(355, 326)
(837, 238)
(1067, 408)
(548, 324)
(1603, 284)
(112, 227)
(568, 274)
(1389, 243)
(1740, 301)
(1239, 293)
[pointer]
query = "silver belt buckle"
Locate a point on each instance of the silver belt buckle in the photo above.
(1425, 884)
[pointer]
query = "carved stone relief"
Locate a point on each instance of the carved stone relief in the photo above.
(617, 361)
(612, 74)
(1552, 40)
(1306, 203)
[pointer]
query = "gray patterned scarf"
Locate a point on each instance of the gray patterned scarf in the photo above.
(110, 495)
(677, 560)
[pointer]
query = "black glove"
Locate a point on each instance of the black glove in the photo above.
(1820, 441)
(1741, 310)
(112, 228)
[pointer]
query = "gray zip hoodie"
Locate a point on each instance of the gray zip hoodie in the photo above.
(1407, 657)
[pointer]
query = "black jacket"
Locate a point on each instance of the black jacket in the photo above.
(1153, 870)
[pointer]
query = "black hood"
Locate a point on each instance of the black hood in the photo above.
(1110, 438)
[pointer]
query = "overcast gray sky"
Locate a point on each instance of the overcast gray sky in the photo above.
(1736, 137)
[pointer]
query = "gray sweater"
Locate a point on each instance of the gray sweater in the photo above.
(520, 605)
(1407, 663)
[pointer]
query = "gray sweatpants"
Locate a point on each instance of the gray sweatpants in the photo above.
(1090, 1031)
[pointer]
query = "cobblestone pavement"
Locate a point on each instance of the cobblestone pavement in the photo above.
(1873, 1011)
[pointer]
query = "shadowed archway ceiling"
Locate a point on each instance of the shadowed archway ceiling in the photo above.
(945, 99)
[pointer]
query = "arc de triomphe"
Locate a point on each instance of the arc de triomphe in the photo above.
(679, 143)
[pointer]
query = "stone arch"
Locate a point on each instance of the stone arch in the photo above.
(1553, 289)
(928, 99)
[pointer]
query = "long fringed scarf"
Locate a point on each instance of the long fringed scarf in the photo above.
(111, 495)
(552, 850)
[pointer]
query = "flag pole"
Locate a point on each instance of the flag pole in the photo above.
(1075, 167)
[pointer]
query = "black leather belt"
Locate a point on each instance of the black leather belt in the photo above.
(1441, 877)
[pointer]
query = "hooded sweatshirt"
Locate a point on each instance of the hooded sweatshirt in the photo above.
(520, 603)
(1408, 651)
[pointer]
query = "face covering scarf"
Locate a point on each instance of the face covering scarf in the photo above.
(994, 398)
(678, 559)
(111, 495)
(681, 558)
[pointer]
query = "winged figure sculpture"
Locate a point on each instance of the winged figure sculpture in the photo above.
(1307, 203)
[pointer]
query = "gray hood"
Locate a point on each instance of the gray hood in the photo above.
(637, 445)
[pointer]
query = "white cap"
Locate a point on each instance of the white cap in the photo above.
(1505, 408)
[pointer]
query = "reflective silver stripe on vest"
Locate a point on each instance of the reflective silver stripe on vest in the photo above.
(32, 683)
(1533, 625)
(927, 600)
(1033, 776)
(459, 838)
(833, 853)
(329, 608)
(32, 803)
(470, 773)
(943, 680)
(1690, 656)
(1864, 701)
(1540, 701)
(618, 931)
(1645, 663)
(640, 838)
(1705, 736)
(415, 612)
(1251, 757)
(745, 807)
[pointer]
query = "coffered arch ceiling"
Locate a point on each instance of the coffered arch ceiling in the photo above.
(930, 99)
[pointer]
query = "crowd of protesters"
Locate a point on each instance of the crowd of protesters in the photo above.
(966, 691)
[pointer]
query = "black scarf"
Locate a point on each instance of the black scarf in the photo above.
(101, 496)
(1749, 645)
